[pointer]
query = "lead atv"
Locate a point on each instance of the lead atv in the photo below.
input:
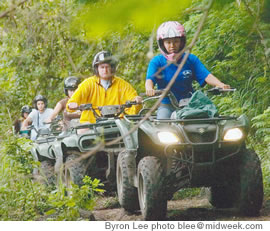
(164, 156)
(73, 150)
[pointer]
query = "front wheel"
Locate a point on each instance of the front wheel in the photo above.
(151, 184)
(222, 196)
(47, 170)
(251, 184)
(74, 171)
(127, 194)
(244, 189)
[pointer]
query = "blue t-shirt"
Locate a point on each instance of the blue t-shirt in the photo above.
(193, 69)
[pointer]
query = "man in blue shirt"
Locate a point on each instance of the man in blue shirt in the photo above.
(171, 40)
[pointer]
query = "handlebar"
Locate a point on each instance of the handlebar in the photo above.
(108, 110)
(157, 93)
(85, 107)
(217, 90)
(183, 102)
(54, 121)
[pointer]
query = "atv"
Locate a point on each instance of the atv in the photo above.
(42, 150)
(79, 153)
(164, 156)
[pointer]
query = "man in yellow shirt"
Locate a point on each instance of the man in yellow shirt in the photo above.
(104, 88)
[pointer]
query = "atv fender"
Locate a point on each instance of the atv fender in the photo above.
(131, 145)
(43, 150)
(241, 122)
(130, 140)
(35, 157)
(56, 150)
(34, 153)
(72, 141)
(130, 160)
(147, 128)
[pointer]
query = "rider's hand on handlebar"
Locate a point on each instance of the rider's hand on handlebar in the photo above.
(150, 92)
(73, 106)
(138, 99)
(224, 86)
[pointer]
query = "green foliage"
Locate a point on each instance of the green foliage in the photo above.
(101, 18)
(18, 150)
(111, 202)
(265, 11)
(24, 198)
(20, 197)
(66, 206)
(261, 140)
(38, 50)
(186, 193)
(218, 5)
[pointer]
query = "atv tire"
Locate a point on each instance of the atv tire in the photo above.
(75, 172)
(127, 194)
(47, 170)
(250, 197)
(151, 183)
(222, 196)
(244, 191)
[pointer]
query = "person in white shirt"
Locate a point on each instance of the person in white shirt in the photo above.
(38, 116)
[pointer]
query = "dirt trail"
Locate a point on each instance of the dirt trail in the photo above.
(194, 209)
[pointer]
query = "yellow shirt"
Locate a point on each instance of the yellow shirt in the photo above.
(90, 91)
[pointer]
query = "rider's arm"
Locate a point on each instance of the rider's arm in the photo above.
(72, 106)
(72, 115)
(57, 109)
(214, 81)
(129, 94)
(151, 76)
(25, 123)
(80, 96)
(149, 87)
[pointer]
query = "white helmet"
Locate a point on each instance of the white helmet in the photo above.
(170, 29)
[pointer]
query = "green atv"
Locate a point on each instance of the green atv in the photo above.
(42, 150)
(164, 156)
(73, 150)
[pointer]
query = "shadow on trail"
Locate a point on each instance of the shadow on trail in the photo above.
(201, 214)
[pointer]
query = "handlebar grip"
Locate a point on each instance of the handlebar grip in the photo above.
(83, 107)
(157, 93)
(229, 89)
(142, 94)
(217, 90)
(131, 102)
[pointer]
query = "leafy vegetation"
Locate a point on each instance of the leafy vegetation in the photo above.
(24, 198)
(44, 41)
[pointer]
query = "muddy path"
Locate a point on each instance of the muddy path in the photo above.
(193, 209)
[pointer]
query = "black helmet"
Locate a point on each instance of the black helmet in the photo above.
(26, 109)
(71, 83)
(104, 57)
(40, 98)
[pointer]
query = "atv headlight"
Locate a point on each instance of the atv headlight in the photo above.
(168, 138)
(233, 134)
